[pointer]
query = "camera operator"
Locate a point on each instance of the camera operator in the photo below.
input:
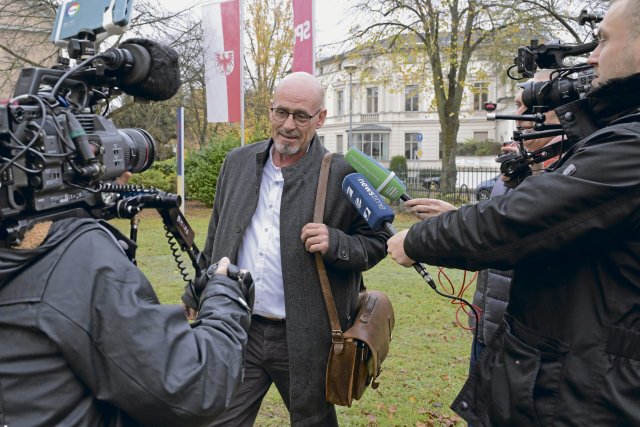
(568, 350)
(85, 341)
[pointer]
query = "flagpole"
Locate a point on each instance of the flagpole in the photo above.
(180, 156)
(241, 74)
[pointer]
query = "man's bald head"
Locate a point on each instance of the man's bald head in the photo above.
(302, 81)
(297, 111)
(631, 10)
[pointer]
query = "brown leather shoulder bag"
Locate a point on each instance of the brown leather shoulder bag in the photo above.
(356, 356)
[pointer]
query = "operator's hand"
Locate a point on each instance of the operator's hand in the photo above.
(315, 237)
(223, 265)
(395, 248)
(189, 301)
(427, 208)
(506, 149)
(190, 313)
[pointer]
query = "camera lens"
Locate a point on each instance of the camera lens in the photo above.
(140, 149)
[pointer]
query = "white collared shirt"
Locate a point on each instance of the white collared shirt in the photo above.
(259, 250)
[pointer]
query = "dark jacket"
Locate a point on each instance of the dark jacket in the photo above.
(354, 247)
(568, 352)
(85, 342)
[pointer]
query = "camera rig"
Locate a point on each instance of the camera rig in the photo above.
(551, 55)
(565, 84)
(60, 156)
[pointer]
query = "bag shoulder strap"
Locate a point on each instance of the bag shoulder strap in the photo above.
(318, 217)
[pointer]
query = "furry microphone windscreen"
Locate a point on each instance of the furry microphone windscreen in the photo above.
(162, 79)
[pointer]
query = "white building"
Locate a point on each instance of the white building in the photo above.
(392, 117)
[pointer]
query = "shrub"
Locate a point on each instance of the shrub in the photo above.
(161, 175)
(398, 164)
(471, 147)
(203, 167)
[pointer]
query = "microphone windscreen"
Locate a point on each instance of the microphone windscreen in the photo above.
(163, 78)
(390, 186)
(367, 201)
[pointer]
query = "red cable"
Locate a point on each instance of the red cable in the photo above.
(447, 286)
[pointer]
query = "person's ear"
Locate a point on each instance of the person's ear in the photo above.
(322, 115)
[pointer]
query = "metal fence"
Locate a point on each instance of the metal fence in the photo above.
(472, 184)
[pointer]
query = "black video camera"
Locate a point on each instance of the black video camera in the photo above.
(56, 153)
(569, 85)
(566, 84)
(547, 56)
(60, 156)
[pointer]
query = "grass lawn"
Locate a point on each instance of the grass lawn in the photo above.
(428, 359)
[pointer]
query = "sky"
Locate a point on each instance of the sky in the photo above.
(332, 19)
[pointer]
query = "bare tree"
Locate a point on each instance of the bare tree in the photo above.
(449, 33)
(25, 28)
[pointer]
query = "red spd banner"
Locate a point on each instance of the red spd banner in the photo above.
(303, 29)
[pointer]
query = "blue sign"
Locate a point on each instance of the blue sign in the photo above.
(419, 137)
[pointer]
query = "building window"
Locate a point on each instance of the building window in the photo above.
(480, 95)
(411, 98)
(321, 139)
(411, 146)
(372, 100)
(480, 136)
(339, 144)
(373, 144)
(440, 145)
(340, 103)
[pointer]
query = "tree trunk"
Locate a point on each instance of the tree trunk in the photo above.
(450, 126)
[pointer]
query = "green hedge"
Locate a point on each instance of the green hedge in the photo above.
(161, 175)
(203, 167)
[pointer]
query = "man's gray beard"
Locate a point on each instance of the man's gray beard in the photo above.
(287, 150)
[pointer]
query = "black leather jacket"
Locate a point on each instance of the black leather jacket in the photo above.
(85, 342)
(568, 352)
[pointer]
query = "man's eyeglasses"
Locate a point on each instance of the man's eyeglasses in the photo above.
(301, 119)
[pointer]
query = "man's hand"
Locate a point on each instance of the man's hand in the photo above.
(315, 238)
(223, 265)
(427, 208)
(189, 301)
(395, 248)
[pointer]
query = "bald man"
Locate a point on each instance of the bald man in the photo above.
(261, 220)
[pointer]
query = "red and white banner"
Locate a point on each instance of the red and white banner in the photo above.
(303, 30)
(221, 23)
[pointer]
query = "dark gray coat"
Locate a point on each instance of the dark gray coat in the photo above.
(354, 247)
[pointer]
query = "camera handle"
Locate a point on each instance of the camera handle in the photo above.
(519, 165)
(179, 233)
(177, 226)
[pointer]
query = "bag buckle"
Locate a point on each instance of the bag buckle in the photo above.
(337, 337)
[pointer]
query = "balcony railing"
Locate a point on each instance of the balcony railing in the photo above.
(370, 118)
